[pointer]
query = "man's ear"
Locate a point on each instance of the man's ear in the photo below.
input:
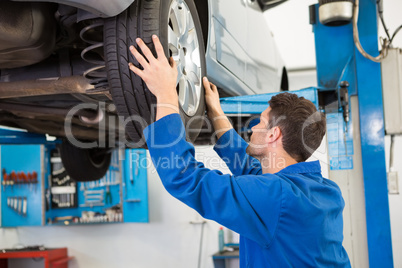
(274, 134)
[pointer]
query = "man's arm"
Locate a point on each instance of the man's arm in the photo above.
(230, 146)
(215, 113)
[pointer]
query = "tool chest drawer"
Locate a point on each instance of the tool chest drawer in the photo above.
(35, 257)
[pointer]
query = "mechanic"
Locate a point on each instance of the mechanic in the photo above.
(286, 213)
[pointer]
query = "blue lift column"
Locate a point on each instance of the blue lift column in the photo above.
(338, 60)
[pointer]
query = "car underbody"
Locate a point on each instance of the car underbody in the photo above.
(42, 80)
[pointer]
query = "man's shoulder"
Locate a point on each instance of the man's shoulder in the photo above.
(257, 183)
(309, 184)
(331, 183)
(258, 177)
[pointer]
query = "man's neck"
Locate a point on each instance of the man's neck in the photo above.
(275, 162)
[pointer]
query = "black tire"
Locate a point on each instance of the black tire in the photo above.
(130, 94)
(84, 164)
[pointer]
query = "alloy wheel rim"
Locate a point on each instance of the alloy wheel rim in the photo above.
(184, 47)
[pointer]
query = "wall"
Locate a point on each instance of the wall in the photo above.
(395, 200)
(289, 23)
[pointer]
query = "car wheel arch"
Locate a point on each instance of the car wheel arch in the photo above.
(203, 14)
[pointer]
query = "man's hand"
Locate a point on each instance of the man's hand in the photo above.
(159, 74)
(215, 113)
(214, 108)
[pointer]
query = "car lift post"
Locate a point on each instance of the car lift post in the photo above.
(338, 60)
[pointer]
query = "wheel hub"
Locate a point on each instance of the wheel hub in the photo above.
(184, 47)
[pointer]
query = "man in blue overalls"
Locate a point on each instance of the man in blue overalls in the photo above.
(286, 213)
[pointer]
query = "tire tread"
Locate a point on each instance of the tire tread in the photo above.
(129, 92)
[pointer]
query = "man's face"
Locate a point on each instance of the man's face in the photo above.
(258, 140)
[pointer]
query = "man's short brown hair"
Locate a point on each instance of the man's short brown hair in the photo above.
(302, 126)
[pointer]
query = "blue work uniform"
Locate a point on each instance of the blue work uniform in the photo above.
(292, 218)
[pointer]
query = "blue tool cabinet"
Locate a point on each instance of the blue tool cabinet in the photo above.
(21, 199)
(51, 198)
(134, 199)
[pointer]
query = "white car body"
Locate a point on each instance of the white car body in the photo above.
(242, 57)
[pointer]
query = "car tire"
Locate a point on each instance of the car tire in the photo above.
(130, 94)
(84, 164)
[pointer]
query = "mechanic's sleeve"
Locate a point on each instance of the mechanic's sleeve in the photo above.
(222, 198)
(232, 149)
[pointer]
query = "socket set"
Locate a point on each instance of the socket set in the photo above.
(62, 188)
(63, 200)
(111, 215)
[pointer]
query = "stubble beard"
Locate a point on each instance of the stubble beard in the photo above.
(248, 150)
(252, 152)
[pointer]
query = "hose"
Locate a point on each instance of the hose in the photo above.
(384, 42)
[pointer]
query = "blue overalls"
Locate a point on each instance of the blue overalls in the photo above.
(292, 218)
